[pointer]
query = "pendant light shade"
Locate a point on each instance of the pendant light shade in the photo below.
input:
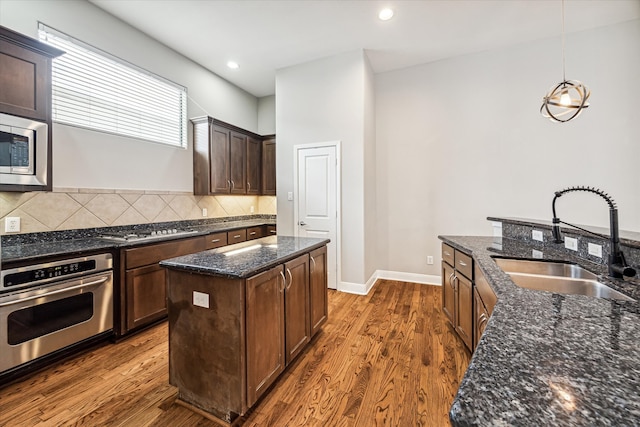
(567, 99)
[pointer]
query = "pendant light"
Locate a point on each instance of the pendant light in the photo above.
(567, 99)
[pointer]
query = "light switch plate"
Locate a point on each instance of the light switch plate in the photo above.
(595, 250)
(571, 243)
(200, 299)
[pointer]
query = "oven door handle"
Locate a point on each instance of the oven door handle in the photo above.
(59, 291)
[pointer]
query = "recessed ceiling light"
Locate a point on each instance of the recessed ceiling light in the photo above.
(385, 14)
(233, 65)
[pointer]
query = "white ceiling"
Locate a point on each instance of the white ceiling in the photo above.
(265, 35)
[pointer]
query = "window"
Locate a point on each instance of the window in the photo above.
(97, 91)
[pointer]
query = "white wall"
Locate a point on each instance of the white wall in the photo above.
(267, 115)
(462, 139)
(86, 159)
(324, 101)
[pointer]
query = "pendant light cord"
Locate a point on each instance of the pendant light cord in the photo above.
(564, 78)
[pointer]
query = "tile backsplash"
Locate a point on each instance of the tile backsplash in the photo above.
(72, 208)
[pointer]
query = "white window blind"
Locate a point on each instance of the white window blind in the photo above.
(97, 91)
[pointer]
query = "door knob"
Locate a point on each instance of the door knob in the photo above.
(302, 223)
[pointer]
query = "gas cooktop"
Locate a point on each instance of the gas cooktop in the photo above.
(138, 235)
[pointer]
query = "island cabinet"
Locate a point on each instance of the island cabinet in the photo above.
(318, 289)
(457, 292)
(231, 338)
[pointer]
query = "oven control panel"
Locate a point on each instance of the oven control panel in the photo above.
(48, 272)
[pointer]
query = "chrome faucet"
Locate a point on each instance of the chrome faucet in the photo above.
(618, 267)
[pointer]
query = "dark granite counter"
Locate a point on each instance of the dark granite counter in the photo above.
(31, 246)
(549, 359)
(245, 259)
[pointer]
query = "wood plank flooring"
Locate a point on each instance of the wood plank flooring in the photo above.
(387, 359)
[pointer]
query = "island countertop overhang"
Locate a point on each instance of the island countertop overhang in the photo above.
(245, 259)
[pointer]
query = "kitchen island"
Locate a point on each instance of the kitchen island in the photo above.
(238, 316)
(550, 359)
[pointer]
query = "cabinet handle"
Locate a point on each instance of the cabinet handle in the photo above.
(229, 184)
(290, 279)
(215, 240)
(462, 263)
(248, 186)
(283, 281)
(252, 233)
(273, 231)
(313, 261)
(447, 253)
(233, 185)
(451, 276)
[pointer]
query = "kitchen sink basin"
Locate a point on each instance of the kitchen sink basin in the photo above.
(559, 277)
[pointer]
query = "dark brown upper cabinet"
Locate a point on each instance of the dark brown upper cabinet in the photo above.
(269, 165)
(226, 159)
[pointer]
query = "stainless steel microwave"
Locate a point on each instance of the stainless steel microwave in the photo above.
(23, 151)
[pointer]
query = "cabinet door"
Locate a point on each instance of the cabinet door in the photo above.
(296, 301)
(254, 161)
(480, 317)
(448, 292)
(269, 167)
(215, 240)
(318, 288)
(25, 81)
(219, 160)
(464, 309)
(238, 163)
(265, 331)
(146, 298)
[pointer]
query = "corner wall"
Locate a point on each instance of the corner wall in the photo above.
(462, 139)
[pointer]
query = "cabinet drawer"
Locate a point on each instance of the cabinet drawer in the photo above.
(464, 264)
(447, 254)
(254, 233)
(216, 240)
(236, 236)
(271, 230)
(152, 254)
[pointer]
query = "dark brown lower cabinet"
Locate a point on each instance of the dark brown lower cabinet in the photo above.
(448, 292)
(262, 322)
(143, 293)
(146, 295)
(265, 331)
(318, 302)
(484, 299)
(296, 303)
(464, 312)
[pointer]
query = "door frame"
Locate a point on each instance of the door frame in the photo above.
(337, 145)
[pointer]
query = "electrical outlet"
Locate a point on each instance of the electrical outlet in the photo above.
(12, 224)
(200, 299)
(571, 243)
(205, 212)
(429, 260)
(536, 254)
(595, 250)
(251, 209)
(537, 235)
(290, 195)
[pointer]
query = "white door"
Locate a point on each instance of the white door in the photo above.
(317, 200)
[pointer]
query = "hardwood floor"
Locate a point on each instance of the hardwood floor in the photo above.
(388, 358)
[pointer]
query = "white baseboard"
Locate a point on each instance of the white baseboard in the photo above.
(363, 289)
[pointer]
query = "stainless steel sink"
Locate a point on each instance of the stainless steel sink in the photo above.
(557, 277)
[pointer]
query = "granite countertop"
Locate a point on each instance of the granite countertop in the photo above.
(79, 242)
(549, 359)
(245, 259)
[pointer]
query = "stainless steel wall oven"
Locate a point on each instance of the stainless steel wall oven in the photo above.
(47, 307)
